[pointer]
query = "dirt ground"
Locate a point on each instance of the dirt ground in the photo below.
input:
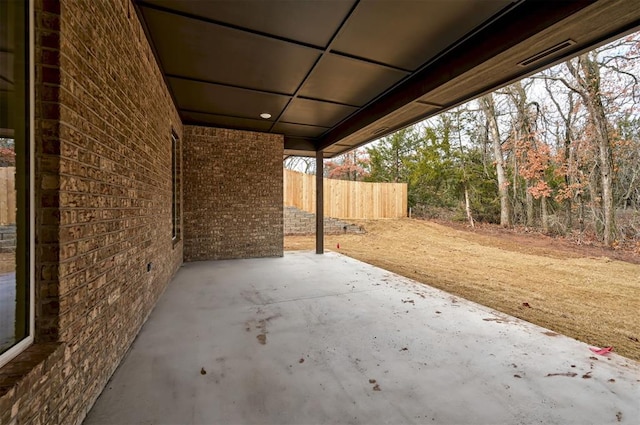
(589, 293)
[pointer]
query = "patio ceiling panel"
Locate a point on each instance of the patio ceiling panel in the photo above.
(219, 99)
(406, 34)
(316, 112)
(309, 22)
(334, 75)
(363, 80)
(206, 51)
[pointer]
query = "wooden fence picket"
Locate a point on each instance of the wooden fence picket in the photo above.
(7, 196)
(346, 199)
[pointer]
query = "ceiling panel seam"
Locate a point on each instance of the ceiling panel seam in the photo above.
(323, 54)
(305, 125)
(187, 15)
(370, 61)
(233, 86)
(333, 102)
(146, 4)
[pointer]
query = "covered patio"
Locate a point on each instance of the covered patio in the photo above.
(149, 141)
(308, 339)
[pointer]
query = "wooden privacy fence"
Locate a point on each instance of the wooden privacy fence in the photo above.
(7, 196)
(346, 199)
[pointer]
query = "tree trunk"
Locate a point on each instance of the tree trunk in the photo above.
(530, 214)
(396, 166)
(488, 107)
(581, 213)
(606, 171)
(596, 110)
(467, 206)
(587, 75)
(545, 214)
(567, 179)
(467, 199)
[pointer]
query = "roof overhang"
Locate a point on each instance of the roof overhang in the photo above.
(334, 75)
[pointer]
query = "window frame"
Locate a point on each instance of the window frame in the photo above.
(21, 345)
(176, 185)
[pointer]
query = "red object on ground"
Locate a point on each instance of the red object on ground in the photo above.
(602, 351)
(338, 246)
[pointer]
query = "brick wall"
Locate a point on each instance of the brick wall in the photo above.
(232, 193)
(104, 119)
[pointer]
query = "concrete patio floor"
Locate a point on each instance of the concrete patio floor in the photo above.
(325, 339)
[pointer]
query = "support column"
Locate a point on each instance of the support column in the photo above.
(319, 203)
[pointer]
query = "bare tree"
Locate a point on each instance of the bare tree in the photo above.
(522, 140)
(488, 107)
(571, 189)
(300, 163)
(465, 177)
(585, 71)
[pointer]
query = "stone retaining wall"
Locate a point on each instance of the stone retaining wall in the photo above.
(298, 222)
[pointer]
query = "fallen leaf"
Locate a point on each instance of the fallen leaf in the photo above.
(203, 372)
(601, 351)
(376, 387)
(301, 361)
(372, 381)
(526, 305)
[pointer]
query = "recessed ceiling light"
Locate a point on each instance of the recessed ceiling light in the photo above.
(265, 115)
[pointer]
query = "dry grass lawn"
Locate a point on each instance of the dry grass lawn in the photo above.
(591, 298)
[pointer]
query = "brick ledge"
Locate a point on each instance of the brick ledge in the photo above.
(26, 369)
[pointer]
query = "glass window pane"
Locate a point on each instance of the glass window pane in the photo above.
(14, 117)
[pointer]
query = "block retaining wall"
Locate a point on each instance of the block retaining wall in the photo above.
(298, 222)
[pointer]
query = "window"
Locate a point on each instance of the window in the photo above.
(175, 188)
(16, 289)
